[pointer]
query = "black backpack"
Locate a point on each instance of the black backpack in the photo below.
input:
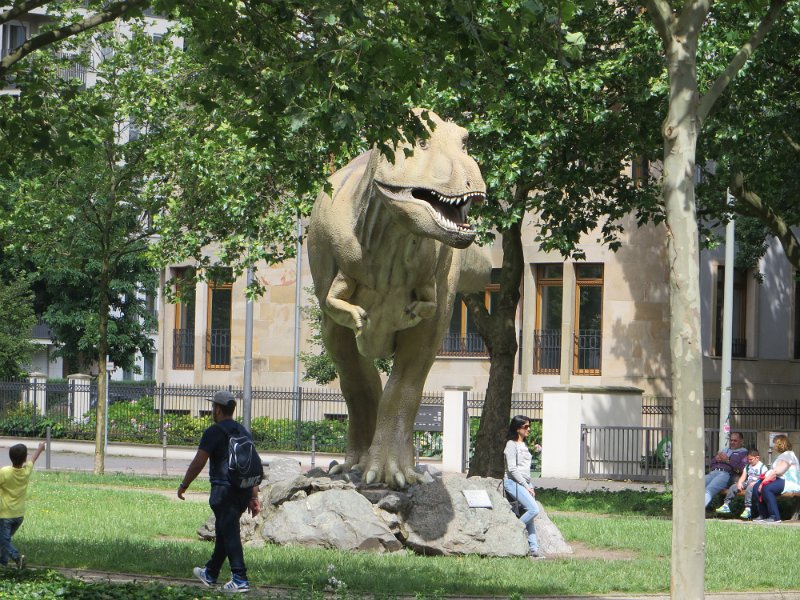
(245, 468)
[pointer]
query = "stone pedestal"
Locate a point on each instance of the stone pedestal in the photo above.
(80, 395)
(566, 408)
(36, 394)
(455, 433)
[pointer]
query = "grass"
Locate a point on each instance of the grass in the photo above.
(135, 525)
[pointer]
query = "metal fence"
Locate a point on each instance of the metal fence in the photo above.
(745, 414)
(637, 453)
(281, 418)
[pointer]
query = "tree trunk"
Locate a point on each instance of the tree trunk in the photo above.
(500, 335)
(102, 353)
(680, 139)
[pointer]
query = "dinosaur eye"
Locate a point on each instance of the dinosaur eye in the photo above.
(423, 144)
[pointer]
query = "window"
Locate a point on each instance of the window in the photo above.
(739, 330)
(183, 334)
(589, 319)
(462, 337)
(148, 366)
(547, 335)
(13, 37)
(218, 331)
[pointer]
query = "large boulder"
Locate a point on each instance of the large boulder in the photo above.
(430, 517)
(440, 521)
(334, 518)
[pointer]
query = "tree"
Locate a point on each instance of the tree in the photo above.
(680, 32)
(78, 211)
(67, 22)
(16, 323)
(751, 146)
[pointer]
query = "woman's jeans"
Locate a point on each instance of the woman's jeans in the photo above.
(766, 498)
(8, 527)
(528, 502)
(228, 505)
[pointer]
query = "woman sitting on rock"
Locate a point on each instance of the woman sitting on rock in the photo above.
(517, 481)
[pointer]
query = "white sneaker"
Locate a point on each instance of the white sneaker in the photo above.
(202, 575)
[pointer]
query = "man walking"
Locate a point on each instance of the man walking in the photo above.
(227, 502)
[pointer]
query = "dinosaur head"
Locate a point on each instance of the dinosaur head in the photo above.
(430, 190)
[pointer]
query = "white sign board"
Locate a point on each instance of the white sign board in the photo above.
(477, 498)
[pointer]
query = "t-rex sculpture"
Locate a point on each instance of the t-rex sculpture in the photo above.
(387, 256)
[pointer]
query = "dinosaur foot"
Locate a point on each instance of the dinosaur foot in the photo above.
(392, 473)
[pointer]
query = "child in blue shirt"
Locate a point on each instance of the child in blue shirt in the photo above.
(755, 469)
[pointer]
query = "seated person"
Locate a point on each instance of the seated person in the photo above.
(747, 480)
(726, 466)
(782, 478)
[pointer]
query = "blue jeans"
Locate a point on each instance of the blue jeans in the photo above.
(228, 505)
(766, 498)
(8, 527)
(716, 481)
(528, 502)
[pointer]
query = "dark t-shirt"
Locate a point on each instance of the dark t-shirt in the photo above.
(215, 442)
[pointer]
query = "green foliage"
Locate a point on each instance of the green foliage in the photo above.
(45, 584)
(16, 322)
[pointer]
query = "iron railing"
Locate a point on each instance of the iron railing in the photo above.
(471, 344)
(588, 352)
(547, 351)
(745, 414)
(183, 349)
(636, 453)
(218, 349)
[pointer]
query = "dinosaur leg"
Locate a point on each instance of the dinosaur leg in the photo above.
(361, 387)
(391, 455)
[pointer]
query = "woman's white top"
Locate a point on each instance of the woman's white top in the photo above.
(791, 477)
(518, 462)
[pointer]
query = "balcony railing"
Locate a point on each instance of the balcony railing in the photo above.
(72, 70)
(469, 345)
(183, 349)
(588, 352)
(547, 351)
(41, 331)
(738, 347)
(218, 349)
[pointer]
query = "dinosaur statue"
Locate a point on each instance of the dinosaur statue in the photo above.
(389, 247)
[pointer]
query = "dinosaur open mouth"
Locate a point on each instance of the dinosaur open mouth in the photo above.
(450, 211)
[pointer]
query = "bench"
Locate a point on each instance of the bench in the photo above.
(792, 497)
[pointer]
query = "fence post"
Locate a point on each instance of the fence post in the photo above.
(313, 450)
(164, 453)
(38, 382)
(454, 439)
(298, 414)
(47, 449)
(161, 408)
(81, 395)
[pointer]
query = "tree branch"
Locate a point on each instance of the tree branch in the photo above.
(738, 61)
(661, 15)
(750, 204)
(111, 13)
(20, 9)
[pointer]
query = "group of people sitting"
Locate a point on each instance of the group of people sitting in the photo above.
(741, 470)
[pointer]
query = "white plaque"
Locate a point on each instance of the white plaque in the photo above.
(477, 498)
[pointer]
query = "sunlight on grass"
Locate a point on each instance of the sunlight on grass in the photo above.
(137, 525)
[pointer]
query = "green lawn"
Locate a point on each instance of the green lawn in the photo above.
(135, 525)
